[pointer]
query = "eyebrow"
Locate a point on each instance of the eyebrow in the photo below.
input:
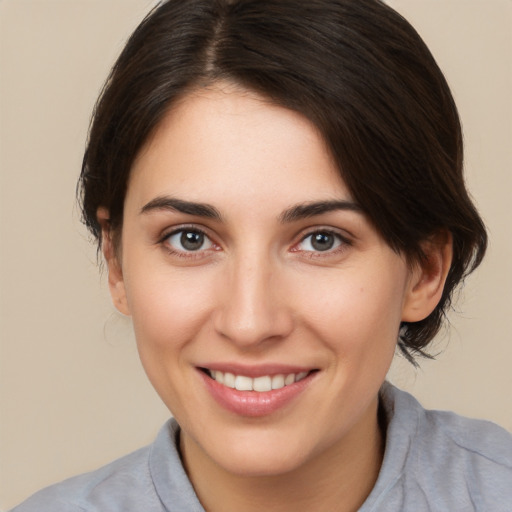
(306, 210)
(179, 205)
(292, 214)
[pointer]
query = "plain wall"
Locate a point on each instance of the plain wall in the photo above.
(72, 393)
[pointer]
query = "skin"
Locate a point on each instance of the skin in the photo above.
(257, 292)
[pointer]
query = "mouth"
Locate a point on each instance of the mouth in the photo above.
(256, 391)
(260, 384)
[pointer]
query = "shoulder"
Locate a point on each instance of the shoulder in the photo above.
(123, 485)
(455, 459)
(477, 440)
(473, 454)
(94, 491)
(448, 438)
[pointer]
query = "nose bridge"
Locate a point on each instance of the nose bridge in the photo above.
(253, 309)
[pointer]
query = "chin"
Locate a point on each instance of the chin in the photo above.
(259, 452)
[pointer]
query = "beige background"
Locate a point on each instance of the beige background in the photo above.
(72, 393)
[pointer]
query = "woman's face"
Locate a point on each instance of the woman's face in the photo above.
(245, 262)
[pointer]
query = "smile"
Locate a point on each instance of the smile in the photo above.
(261, 384)
(262, 394)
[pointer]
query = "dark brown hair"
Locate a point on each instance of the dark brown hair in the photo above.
(355, 68)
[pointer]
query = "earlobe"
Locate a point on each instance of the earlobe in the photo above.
(115, 272)
(428, 277)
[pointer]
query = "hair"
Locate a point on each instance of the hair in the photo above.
(355, 68)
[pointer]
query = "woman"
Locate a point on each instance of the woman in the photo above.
(277, 189)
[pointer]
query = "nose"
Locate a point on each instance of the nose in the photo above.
(253, 307)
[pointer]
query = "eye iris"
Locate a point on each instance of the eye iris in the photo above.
(192, 241)
(322, 241)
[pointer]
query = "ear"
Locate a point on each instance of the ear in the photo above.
(115, 272)
(428, 277)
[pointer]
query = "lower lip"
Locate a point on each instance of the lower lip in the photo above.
(255, 403)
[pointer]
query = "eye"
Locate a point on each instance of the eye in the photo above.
(189, 240)
(320, 241)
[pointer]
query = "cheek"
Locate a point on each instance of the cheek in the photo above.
(168, 312)
(355, 311)
(169, 307)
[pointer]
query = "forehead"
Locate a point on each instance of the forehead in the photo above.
(224, 139)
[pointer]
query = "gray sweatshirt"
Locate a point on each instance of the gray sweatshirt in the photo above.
(434, 461)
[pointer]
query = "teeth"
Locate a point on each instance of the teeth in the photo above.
(289, 379)
(243, 383)
(259, 384)
(278, 381)
(262, 384)
(300, 376)
(229, 379)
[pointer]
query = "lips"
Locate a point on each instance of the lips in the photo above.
(260, 394)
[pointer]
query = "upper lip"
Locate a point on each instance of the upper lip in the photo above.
(256, 370)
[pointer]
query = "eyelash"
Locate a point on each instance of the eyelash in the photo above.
(342, 243)
(183, 253)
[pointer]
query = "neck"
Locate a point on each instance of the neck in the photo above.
(338, 479)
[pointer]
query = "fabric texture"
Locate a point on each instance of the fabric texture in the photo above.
(433, 461)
